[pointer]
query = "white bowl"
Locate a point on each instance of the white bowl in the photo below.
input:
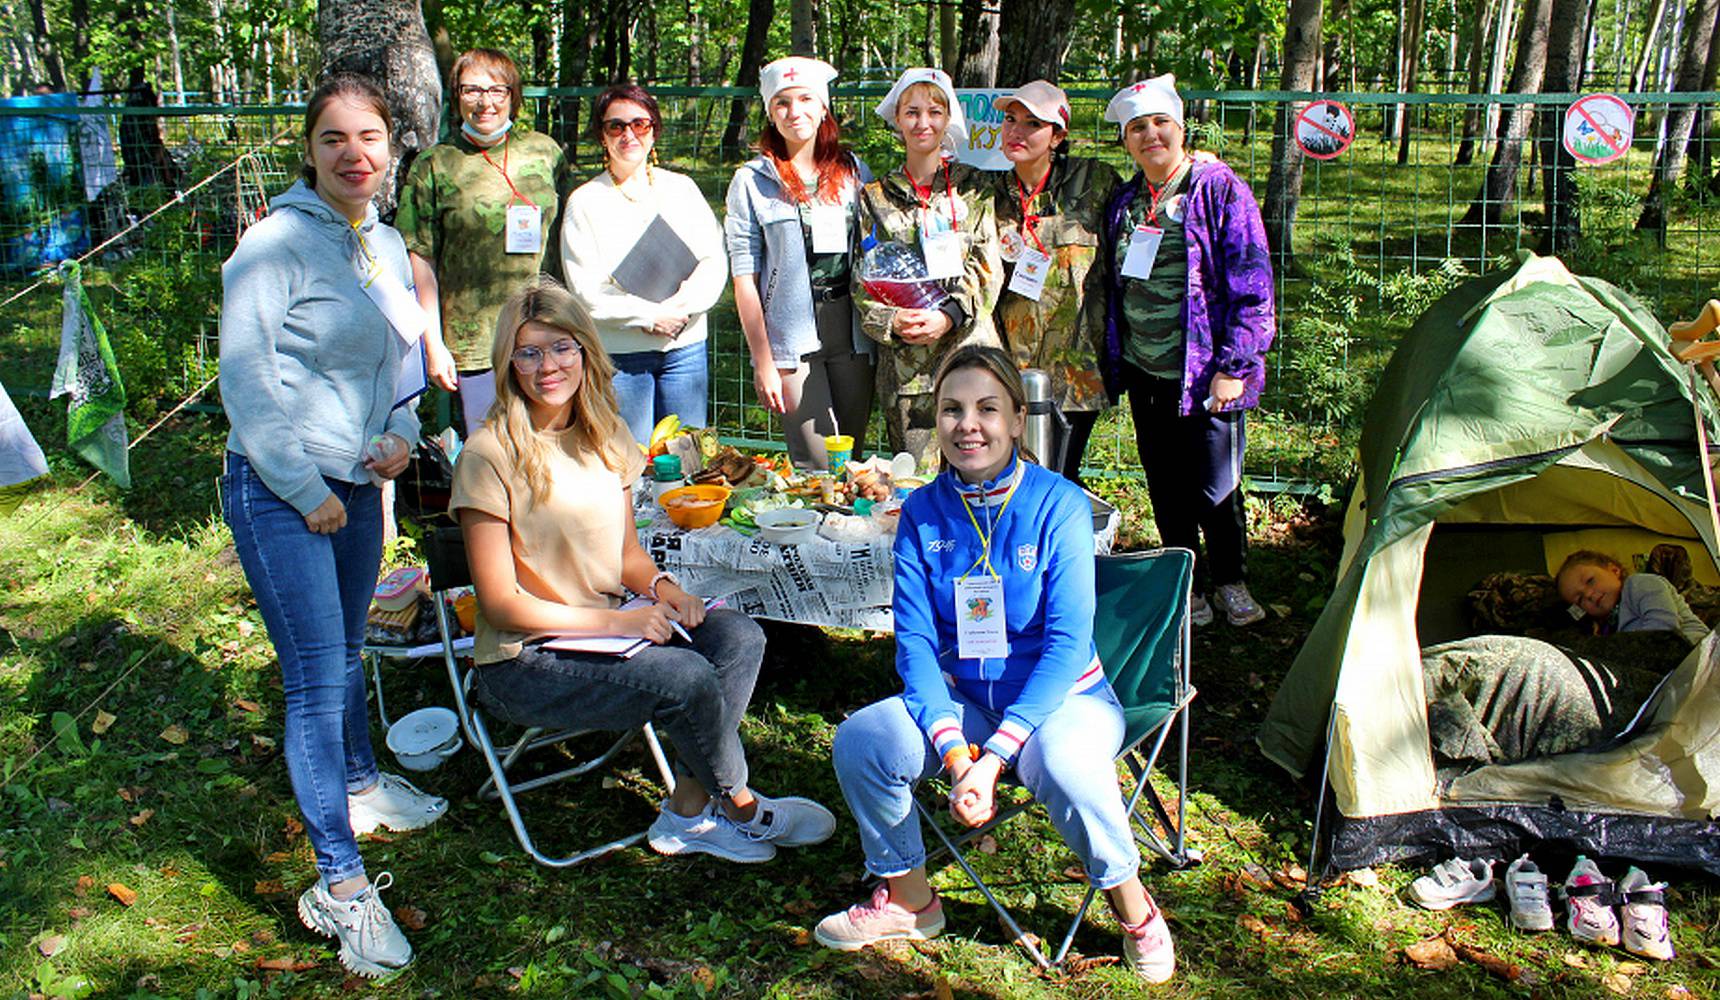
(422, 740)
(788, 526)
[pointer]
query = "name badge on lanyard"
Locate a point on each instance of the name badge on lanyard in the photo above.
(829, 228)
(981, 631)
(525, 228)
(1031, 269)
(1143, 250)
(943, 253)
(397, 304)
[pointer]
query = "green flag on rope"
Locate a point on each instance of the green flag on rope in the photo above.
(95, 415)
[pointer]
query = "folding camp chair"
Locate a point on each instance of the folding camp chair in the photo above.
(1141, 628)
(448, 569)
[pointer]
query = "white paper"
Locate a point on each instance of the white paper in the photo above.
(1143, 250)
(399, 306)
(981, 631)
(943, 254)
(829, 229)
(524, 229)
(413, 380)
(1028, 280)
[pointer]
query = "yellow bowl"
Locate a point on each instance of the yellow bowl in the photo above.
(697, 506)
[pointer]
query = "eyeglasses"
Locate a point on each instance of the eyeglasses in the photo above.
(529, 358)
(613, 127)
(474, 93)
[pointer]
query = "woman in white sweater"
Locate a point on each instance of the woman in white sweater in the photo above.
(658, 347)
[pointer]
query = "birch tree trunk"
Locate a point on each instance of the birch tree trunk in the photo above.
(803, 29)
(1651, 27)
(1412, 69)
(386, 42)
(1669, 158)
(1500, 187)
(1476, 115)
(178, 62)
(1284, 183)
(46, 51)
(1568, 30)
(759, 13)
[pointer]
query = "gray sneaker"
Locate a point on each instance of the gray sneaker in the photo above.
(370, 944)
(790, 821)
(1526, 891)
(1199, 611)
(1453, 883)
(710, 832)
(1237, 604)
(1642, 917)
(394, 803)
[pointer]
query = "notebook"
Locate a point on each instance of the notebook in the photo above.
(657, 265)
(624, 646)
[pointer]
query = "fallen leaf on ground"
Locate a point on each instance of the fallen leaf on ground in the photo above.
(1292, 915)
(245, 628)
(802, 937)
(175, 734)
(517, 971)
(141, 818)
(1281, 610)
(1631, 968)
(986, 845)
(1075, 873)
(411, 917)
(241, 946)
(1366, 878)
(1676, 992)
(262, 744)
(85, 884)
(1291, 877)
(285, 963)
(1432, 953)
(1575, 959)
(168, 871)
(51, 945)
(103, 722)
(246, 705)
(1083, 963)
(704, 977)
(277, 857)
(79, 912)
(129, 794)
(120, 891)
(292, 827)
(1617, 983)
(800, 907)
(1255, 926)
(1255, 874)
(941, 990)
(268, 887)
(1506, 970)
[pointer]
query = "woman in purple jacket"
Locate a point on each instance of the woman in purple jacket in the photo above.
(1188, 319)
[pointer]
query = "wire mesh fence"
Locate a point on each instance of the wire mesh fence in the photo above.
(1381, 231)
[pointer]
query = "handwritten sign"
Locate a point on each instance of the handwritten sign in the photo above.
(984, 146)
(1598, 129)
(1325, 129)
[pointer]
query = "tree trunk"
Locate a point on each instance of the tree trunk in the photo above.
(803, 29)
(1651, 27)
(695, 45)
(1392, 120)
(178, 61)
(1412, 69)
(752, 58)
(1032, 37)
(949, 39)
(1567, 35)
(1500, 187)
(45, 49)
(1332, 57)
(572, 58)
(142, 153)
(386, 41)
(1284, 184)
(977, 64)
(80, 15)
(1699, 24)
(1476, 116)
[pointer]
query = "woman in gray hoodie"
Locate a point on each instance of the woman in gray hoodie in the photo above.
(316, 318)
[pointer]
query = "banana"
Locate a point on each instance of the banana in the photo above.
(664, 430)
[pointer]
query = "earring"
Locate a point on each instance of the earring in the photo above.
(653, 156)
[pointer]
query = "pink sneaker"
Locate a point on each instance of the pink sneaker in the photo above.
(1147, 948)
(878, 919)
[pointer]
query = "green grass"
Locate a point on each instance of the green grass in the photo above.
(139, 592)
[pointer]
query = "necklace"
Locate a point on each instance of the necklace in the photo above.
(650, 182)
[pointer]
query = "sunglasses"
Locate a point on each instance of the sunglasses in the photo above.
(529, 359)
(613, 127)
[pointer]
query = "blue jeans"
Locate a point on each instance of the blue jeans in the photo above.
(1069, 764)
(697, 694)
(650, 385)
(314, 592)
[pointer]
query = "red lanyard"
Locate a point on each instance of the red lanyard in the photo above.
(1157, 193)
(503, 170)
(925, 194)
(1029, 221)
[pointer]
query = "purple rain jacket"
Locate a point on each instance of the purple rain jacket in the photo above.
(1228, 319)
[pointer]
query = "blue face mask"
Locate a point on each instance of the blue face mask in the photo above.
(486, 138)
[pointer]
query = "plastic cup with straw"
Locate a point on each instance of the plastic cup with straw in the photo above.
(838, 447)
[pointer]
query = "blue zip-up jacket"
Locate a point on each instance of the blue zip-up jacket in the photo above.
(1042, 547)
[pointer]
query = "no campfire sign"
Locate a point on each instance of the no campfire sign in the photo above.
(1325, 129)
(1598, 129)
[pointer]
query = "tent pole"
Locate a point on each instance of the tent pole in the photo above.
(1310, 892)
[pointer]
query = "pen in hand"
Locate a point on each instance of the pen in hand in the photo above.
(681, 632)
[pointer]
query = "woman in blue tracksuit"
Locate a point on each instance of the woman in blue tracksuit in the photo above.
(994, 612)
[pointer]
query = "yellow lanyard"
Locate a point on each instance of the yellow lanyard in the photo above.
(985, 539)
(368, 262)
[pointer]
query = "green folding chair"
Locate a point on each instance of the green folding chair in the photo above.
(1141, 629)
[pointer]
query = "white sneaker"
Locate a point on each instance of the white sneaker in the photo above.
(710, 832)
(1526, 891)
(394, 803)
(1589, 904)
(1199, 611)
(1453, 883)
(1237, 604)
(791, 821)
(370, 944)
(1642, 916)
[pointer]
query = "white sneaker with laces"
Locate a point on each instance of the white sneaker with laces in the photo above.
(1453, 883)
(370, 944)
(1589, 910)
(1199, 611)
(791, 821)
(393, 803)
(710, 832)
(1642, 916)
(1237, 604)
(1526, 891)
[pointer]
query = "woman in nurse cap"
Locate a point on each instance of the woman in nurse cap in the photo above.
(790, 227)
(1188, 319)
(943, 210)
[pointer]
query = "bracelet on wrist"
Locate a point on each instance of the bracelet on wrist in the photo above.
(663, 574)
(965, 751)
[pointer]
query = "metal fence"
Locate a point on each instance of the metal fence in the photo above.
(1376, 239)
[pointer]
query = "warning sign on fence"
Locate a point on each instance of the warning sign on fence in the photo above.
(1325, 129)
(1598, 129)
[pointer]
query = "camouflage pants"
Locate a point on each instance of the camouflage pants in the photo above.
(911, 425)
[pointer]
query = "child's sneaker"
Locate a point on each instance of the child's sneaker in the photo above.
(1199, 611)
(394, 803)
(1526, 891)
(370, 944)
(878, 919)
(1147, 948)
(1238, 604)
(1589, 904)
(710, 832)
(791, 821)
(1453, 883)
(1642, 914)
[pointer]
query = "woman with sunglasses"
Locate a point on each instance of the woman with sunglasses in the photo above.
(658, 347)
(542, 494)
(1050, 208)
(478, 214)
(790, 230)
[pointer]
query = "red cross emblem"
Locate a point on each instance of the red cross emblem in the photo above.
(1137, 88)
(791, 74)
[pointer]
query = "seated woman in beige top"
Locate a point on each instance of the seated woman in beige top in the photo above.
(542, 494)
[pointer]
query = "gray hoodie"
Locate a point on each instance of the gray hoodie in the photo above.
(308, 362)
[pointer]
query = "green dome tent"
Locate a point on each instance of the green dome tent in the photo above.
(1528, 413)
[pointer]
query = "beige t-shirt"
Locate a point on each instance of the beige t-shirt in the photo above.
(567, 549)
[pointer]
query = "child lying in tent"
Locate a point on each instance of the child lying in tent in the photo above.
(1495, 699)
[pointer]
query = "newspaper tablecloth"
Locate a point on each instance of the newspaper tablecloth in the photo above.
(821, 582)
